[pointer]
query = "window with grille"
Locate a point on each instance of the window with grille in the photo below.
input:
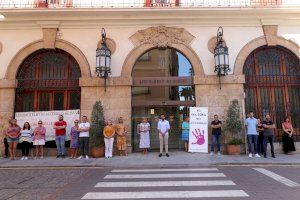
(48, 80)
(273, 86)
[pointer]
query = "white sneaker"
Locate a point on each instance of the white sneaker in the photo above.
(22, 158)
(257, 156)
(211, 153)
(26, 158)
(219, 153)
(80, 157)
(250, 155)
(86, 157)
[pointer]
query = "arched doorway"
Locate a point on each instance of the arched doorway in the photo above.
(48, 80)
(273, 85)
(162, 83)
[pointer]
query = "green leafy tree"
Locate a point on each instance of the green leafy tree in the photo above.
(97, 125)
(234, 124)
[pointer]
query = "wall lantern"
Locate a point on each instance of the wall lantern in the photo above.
(103, 59)
(221, 56)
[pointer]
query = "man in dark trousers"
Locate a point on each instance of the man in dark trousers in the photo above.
(216, 135)
(269, 127)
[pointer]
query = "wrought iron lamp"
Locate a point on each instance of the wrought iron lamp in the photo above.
(103, 59)
(221, 56)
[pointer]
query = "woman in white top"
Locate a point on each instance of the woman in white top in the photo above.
(25, 140)
(143, 130)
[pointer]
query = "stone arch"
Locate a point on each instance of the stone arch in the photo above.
(17, 60)
(258, 42)
(162, 37)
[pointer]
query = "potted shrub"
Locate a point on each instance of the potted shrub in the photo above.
(234, 146)
(42, 4)
(96, 129)
(233, 128)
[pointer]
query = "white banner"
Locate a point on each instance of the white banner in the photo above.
(48, 118)
(198, 136)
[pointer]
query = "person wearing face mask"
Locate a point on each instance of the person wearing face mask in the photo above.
(269, 127)
(163, 127)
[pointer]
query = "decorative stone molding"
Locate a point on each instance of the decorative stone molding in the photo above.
(1, 47)
(211, 44)
(49, 37)
(213, 80)
(39, 44)
(270, 32)
(111, 44)
(162, 36)
(111, 81)
(6, 83)
(258, 42)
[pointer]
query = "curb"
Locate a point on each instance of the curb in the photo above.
(147, 166)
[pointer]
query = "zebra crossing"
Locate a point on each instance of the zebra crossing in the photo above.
(177, 183)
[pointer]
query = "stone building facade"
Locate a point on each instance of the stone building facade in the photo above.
(134, 30)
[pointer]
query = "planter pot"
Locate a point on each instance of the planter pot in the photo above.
(42, 4)
(97, 152)
(233, 149)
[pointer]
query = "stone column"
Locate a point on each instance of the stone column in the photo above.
(116, 100)
(7, 99)
(209, 94)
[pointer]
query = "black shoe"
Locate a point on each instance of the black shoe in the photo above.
(160, 155)
(273, 155)
(265, 155)
(57, 156)
(63, 156)
(167, 155)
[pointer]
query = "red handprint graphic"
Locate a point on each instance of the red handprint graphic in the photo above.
(199, 136)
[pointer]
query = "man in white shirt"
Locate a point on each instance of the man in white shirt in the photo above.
(163, 127)
(84, 135)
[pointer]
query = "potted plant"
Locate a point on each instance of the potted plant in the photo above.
(233, 128)
(97, 126)
(234, 146)
(42, 4)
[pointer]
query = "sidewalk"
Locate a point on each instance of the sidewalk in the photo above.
(152, 160)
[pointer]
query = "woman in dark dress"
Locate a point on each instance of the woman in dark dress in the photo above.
(287, 138)
(260, 141)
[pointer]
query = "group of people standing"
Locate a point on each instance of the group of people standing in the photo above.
(37, 137)
(259, 134)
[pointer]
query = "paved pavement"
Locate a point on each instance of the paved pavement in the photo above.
(151, 159)
(168, 182)
(267, 183)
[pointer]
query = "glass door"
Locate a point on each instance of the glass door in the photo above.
(175, 116)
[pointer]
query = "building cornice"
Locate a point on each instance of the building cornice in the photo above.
(90, 18)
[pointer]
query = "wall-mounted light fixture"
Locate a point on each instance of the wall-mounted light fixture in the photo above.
(221, 56)
(103, 59)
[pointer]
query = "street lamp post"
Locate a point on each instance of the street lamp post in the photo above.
(221, 56)
(103, 59)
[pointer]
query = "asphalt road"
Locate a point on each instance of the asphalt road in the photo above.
(170, 182)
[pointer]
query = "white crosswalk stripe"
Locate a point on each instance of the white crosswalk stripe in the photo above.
(184, 175)
(165, 194)
(164, 183)
(164, 170)
(134, 184)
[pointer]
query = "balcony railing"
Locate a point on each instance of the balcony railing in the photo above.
(145, 3)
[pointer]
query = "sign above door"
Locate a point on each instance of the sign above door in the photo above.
(163, 81)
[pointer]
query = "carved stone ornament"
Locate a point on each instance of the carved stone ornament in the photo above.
(111, 44)
(162, 36)
(1, 46)
(211, 44)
